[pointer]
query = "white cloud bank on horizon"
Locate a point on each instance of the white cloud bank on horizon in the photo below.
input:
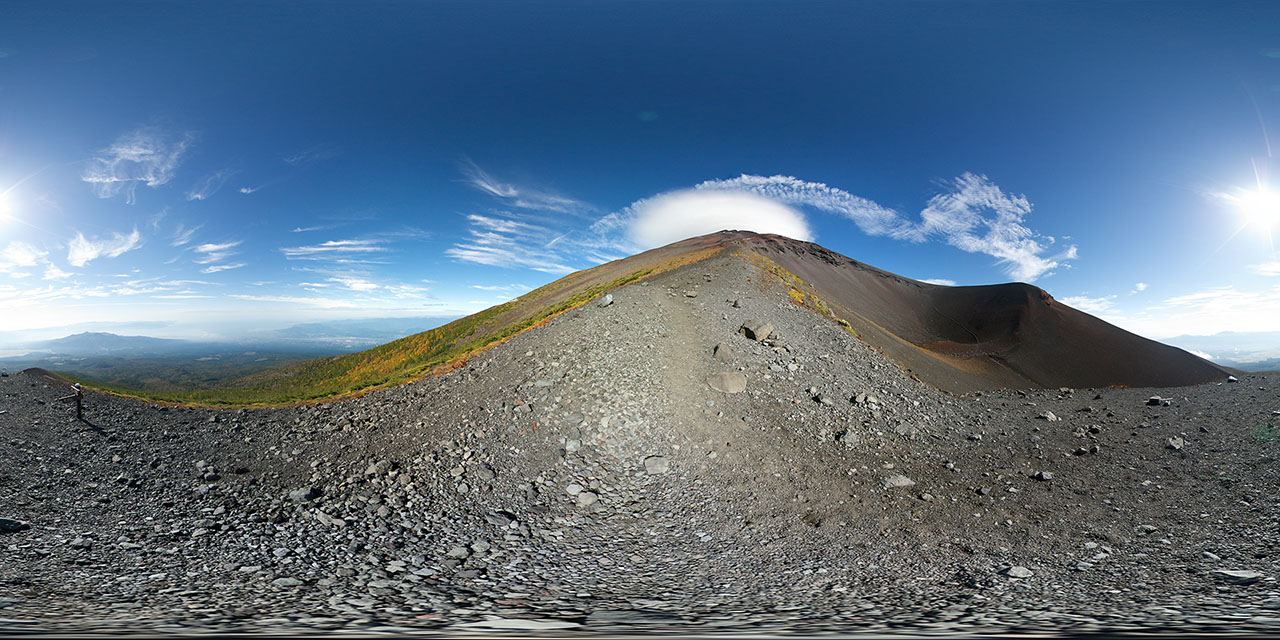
(147, 155)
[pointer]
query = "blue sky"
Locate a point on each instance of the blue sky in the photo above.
(216, 167)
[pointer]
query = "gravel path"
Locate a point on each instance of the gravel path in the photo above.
(587, 476)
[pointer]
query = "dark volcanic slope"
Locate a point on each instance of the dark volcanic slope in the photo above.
(967, 338)
(585, 475)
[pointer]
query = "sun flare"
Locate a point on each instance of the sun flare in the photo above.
(1260, 207)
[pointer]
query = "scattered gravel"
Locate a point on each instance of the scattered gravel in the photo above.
(586, 476)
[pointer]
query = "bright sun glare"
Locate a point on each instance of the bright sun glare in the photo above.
(1260, 207)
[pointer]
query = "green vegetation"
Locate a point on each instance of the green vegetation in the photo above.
(796, 288)
(412, 357)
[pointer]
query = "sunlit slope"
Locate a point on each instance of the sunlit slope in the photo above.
(417, 355)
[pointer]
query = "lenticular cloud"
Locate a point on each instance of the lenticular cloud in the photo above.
(678, 215)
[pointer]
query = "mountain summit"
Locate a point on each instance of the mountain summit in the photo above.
(956, 339)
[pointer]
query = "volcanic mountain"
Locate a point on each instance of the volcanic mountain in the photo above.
(704, 437)
(956, 339)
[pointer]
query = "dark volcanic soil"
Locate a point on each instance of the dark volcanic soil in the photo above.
(584, 476)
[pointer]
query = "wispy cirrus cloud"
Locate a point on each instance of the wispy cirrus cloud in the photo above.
(182, 235)
(353, 248)
(82, 250)
(145, 156)
(520, 197)
(215, 268)
(215, 252)
(506, 242)
(310, 155)
(942, 282)
(209, 185)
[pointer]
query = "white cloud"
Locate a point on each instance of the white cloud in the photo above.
(311, 155)
(353, 283)
(973, 215)
(248, 190)
(82, 250)
(52, 272)
(330, 248)
(1201, 354)
(870, 217)
(506, 242)
(324, 303)
(1267, 268)
(183, 234)
(669, 217)
(960, 218)
(214, 268)
(215, 252)
(147, 155)
(1090, 305)
(1207, 312)
(521, 197)
(1139, 287)
(209, 185)
(941, 282)
(20, 254)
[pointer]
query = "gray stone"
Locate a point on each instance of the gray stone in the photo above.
(728, 382)
(1043, 476)
(287, 582)
(1155, 401)
(587, 498)
(756, 330)
(654, 465)
(459, 552)
(304, 494)
(906, 430)
(898, 481)
(606, 300)
(722, 353)
(1017, 572)
(499, 518)
(1049, 416)
(1175, 443)
(1236, 576)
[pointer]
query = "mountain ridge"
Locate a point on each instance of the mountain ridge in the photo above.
(955, 338)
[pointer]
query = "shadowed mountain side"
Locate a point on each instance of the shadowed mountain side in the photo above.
(983, 337)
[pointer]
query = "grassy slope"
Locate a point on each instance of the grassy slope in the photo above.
(418, 355)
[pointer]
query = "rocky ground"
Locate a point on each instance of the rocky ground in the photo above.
(646, 466)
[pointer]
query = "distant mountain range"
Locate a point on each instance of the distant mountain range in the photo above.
(1248, 351)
